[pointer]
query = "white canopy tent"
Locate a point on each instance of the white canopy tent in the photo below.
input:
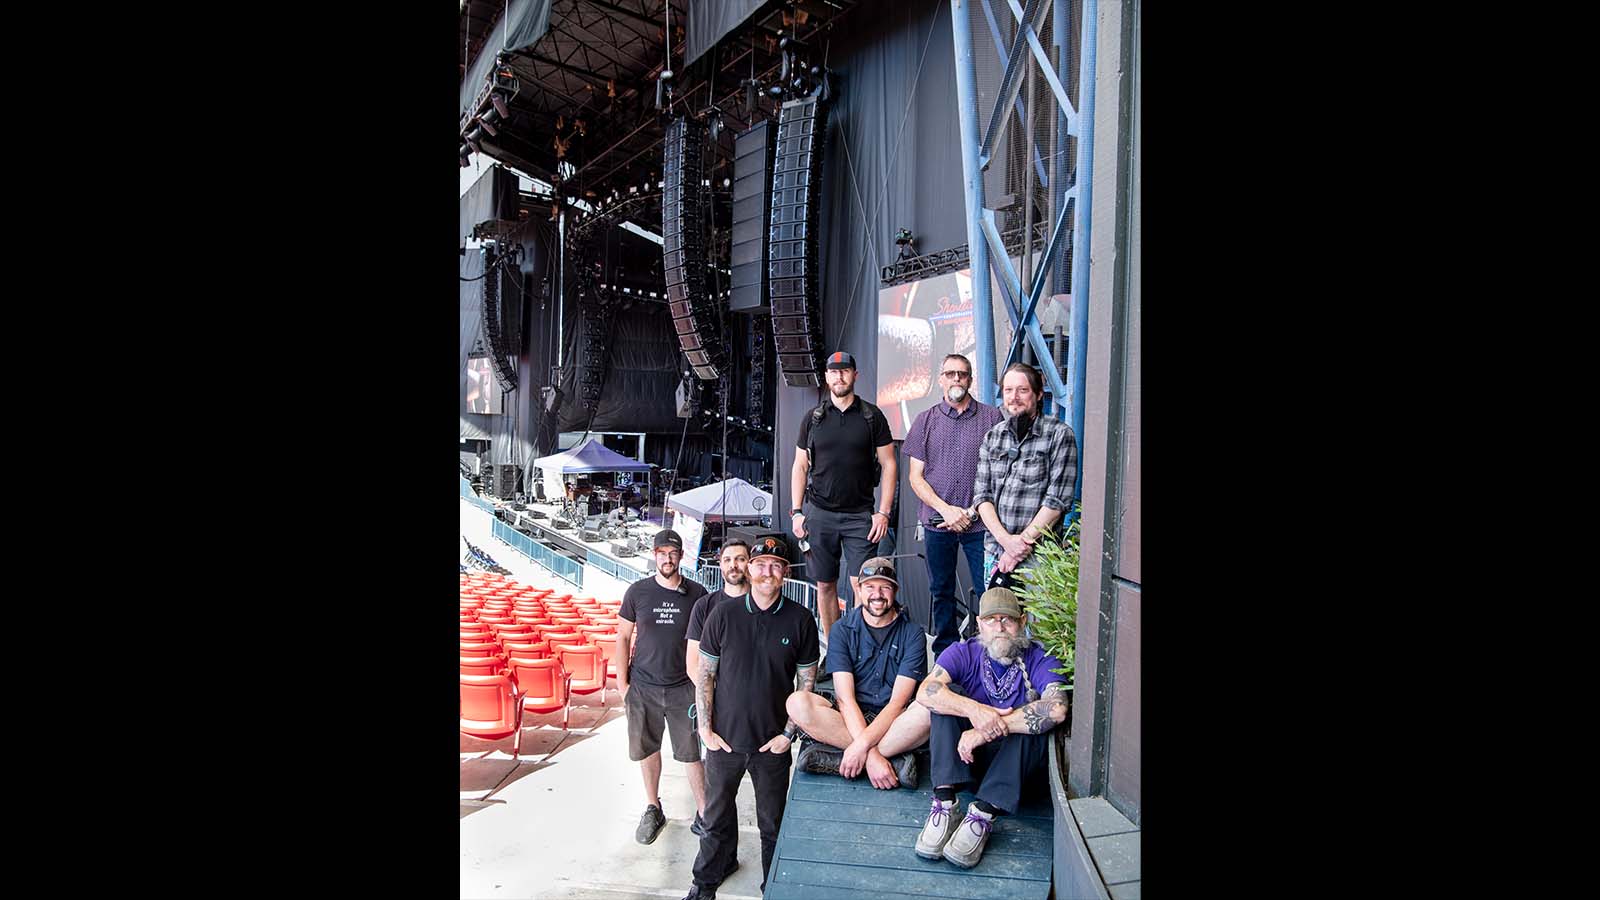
(732, 499)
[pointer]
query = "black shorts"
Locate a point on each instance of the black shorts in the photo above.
(827, 531)
(651, 708)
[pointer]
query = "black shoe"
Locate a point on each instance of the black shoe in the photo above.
(820, 759)
(728, 873)
(905, 768)
(698, 826)
(699, 893)
(650, 824)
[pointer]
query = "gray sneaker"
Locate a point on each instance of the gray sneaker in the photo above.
(936, 831)
(966, 847)
(650, 824)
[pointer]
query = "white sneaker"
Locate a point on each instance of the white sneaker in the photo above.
(936, 831)
(966, 847)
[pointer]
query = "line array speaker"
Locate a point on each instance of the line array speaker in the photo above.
(683, 247)
(752, 208)
(792, 244)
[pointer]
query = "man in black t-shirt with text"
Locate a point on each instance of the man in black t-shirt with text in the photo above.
(656, 690)
(752, 651)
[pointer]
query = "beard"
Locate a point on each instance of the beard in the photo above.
(735, 578)
(841, 390)
(1004, 649)
(667, 569)
(955, 394)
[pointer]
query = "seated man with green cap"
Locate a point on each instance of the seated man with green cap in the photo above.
(992, 698)
(877, 657)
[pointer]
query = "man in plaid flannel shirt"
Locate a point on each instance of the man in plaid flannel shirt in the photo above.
(1027, 469)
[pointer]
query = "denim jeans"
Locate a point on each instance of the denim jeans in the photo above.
(940, 547)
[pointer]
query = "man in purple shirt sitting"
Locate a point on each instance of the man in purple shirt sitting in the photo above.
(991, 683)
(943, 445)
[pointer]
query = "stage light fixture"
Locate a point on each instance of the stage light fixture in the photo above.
(500, 104)
(473, 143)
(488, 127)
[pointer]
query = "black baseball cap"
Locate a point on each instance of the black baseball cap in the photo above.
(666, 537)
(841, 360)
(772, 545)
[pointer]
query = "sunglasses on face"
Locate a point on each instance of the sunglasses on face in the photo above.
(953, 374)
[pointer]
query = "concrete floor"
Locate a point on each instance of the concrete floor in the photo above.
(559, 822)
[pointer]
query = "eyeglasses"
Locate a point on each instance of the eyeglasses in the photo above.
(882, 571)
(956, 373)
(1005, 621)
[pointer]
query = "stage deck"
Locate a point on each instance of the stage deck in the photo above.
(846, 839)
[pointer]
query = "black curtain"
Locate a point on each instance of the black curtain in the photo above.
(893, 160)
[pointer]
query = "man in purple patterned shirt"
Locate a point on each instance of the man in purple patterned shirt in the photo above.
(942, 446)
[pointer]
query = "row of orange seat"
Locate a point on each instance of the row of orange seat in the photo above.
(529, 650)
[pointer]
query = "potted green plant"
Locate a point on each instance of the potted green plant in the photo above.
(1049, 593)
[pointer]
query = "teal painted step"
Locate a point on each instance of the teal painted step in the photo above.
(847, 839)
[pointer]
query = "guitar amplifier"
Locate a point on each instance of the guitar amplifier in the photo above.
(623, 549)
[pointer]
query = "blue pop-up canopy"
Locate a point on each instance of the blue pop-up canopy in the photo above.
(591, 456)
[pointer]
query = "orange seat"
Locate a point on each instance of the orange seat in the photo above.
(476, 635)
(608, 649)
(590, 632)
(572, 620)
(481, 648)
(530, 649)
(585, 665)
(481, 665)
(544, 686)
(491, 708)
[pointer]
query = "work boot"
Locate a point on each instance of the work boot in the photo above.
(820, 758)
(937, 830)
(966, 847)
(905, 768)
(650, 824)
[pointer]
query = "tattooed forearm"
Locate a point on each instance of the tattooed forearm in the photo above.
(808, 678)
(705, 690)
(1042, 715)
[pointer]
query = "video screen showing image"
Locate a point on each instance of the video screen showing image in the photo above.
(483, 394)
(920, 322)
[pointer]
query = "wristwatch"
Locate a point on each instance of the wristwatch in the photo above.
(793, 513)
(790, 733)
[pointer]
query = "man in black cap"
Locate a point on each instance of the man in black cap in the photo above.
(656, 691)
(878, 657)
(751, 653)
(992, 683)
(838, 445)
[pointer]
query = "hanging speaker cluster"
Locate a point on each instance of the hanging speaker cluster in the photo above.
(694, 310)
(752, 206)
(792, 245)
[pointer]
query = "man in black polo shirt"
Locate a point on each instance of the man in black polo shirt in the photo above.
(734, 561)
(845, 433)
(656, 691)
(878, 657)
(751, 652)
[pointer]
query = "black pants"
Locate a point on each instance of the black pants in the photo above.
(998, 768)
(769, 774)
